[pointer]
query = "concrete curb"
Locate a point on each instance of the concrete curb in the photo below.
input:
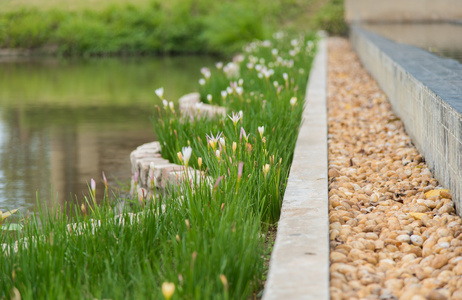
(299, 266)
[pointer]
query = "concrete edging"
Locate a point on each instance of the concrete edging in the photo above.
(299, 266)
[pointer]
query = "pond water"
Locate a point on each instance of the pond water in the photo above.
(443, 39)
(63, 122)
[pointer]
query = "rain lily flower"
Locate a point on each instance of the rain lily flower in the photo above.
(209, 98)
(93, 186)
(239, 170)
(165, 103)
(240, 82)
(172, 107)
(160, 93)
(261, 129)
(212, 140)
(168, 288)
(266, 169)
(187, 151)
(235, 118)
(243, 134)
(293, 100)
(224, 280)
(239, 90)
(104, 180)
(180, 156)
(274, 51)
(229, 90)
(222, 142)
(285, 76)
(241, 113)
(199, 162)
(275, 84)
(199, 105)
(202, 81)
(219, 65)
(224, 94)
(234, 147)
(217, 153)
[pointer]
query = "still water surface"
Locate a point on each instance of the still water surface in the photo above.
(63, 122)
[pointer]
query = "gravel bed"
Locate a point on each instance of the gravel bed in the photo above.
(394, 233)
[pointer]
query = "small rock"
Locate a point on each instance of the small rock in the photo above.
(416, 240)
(439, 261)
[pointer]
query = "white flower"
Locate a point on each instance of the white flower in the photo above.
(219, 65)
(239, 90)
(222, 141)
(165, 102)
(209, 98)
(285, 76)
(241, 113)
(240, 82)
(224, 94)
(276, 84)
(293, 100)
(235, 118)
(261, 129)
(229, 90)
(217, 153)
(250, 66)
(199, 105)
(202, 81)
(160, 92)
(275, 51)
(172, 107)
(186, 151)
(294, 42)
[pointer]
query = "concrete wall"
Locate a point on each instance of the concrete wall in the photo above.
(426, 93)
(402, 10)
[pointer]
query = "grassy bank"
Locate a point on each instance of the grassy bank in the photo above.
(206, 239)
(155, 26)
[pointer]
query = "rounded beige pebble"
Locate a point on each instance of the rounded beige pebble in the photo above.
(416, 240)
(394, 284)
(418, 297)
(439, 261)
(457, 295)
(338, 257)
(403, 238)
(458, 269)
(435, 295)
(446, 208)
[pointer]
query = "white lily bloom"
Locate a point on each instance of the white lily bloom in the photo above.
(222, 141)
(202, 81)
(235, 118)
(261, 130)
(186, 151)
(199, 105)
(293, 100)
(160, 92)
(165, 103)
(172, 107)
(224, 94)
(209, 98)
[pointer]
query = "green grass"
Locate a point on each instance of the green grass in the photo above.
(152, 27)
(209, 240)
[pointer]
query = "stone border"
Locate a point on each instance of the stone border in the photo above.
(425, 91)
(299, 266)
(146, 160)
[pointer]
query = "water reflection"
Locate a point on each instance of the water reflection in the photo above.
(63, 122)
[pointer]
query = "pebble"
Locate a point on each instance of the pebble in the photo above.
(389, 240)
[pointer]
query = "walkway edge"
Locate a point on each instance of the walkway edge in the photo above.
(299, 266)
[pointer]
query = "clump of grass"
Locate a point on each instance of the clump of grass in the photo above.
(178, 26)
(206, 236)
